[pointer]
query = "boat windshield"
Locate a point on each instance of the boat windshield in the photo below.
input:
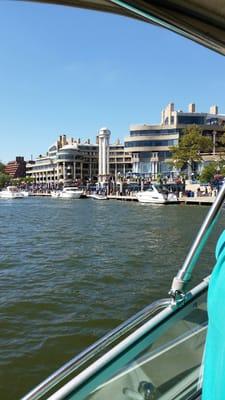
(12, 189)
(162, 361)
(166, 188)
(165, 363)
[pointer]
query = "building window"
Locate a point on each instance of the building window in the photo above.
(191, 119)
(154, 132)
(151, 143)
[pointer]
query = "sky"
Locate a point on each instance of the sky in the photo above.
(71, 71)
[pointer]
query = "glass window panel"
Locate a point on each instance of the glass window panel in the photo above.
(166, 362)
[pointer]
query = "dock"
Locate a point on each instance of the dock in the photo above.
(122, 198)
(198, 200)
(40, 194)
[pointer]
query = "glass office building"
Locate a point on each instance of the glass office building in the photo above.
(149, 145)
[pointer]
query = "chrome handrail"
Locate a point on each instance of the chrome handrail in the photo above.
(96, 366)
(78, 361)
(184, 274)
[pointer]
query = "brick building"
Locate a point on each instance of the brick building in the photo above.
(17, 168)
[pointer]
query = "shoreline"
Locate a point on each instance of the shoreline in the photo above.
(198, 200)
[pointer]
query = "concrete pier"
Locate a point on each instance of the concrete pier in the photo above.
(124, 198)
(40, 194)
(199, 200)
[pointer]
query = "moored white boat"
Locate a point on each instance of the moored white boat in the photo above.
(99, 196)
(55, 193)
(157, 195)
(11, 192)
(71, 193)
(25, 193)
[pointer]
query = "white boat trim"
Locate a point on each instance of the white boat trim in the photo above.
(70, 192)
(99, 197)
(11, 192)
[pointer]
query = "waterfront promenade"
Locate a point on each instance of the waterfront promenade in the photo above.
(197, 200)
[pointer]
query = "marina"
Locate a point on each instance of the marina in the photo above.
(198, 200)
(118, 299)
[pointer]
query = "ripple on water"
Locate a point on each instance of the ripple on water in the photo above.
(71, 271)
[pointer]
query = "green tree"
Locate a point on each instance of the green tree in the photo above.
(220, 142)
(2, 167)
(28, 179)
(190, 147)
(4, 179)
(212, 169)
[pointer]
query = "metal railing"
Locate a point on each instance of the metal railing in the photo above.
(154, 320)
(184, 274)
(92, 351)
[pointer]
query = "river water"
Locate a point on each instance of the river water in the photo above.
(72, 270)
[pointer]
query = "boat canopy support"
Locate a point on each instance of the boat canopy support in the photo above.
(184, 274)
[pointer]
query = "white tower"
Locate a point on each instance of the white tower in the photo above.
(103, 157)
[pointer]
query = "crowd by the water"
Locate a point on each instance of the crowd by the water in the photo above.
(129, 187)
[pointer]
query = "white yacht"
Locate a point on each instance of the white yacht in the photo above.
(25, 193)
(11, 192)
(55, 193)
(71, 193)
(97, 196)
(157, 194)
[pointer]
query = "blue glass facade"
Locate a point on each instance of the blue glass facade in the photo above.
(147, 157)
(154, 132)
(191, 119)
(151, 143)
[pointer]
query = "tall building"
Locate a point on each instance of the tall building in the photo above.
(16, 168)
(150, 145)
(120, 164)
(103, 155)
(67, 161)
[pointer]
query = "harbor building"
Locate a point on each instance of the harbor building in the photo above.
(16, 168)
(149, 145)
(120, 161)
(70, 161)
(145, 153)
(67, 161)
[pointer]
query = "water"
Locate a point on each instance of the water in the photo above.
(72, 270)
